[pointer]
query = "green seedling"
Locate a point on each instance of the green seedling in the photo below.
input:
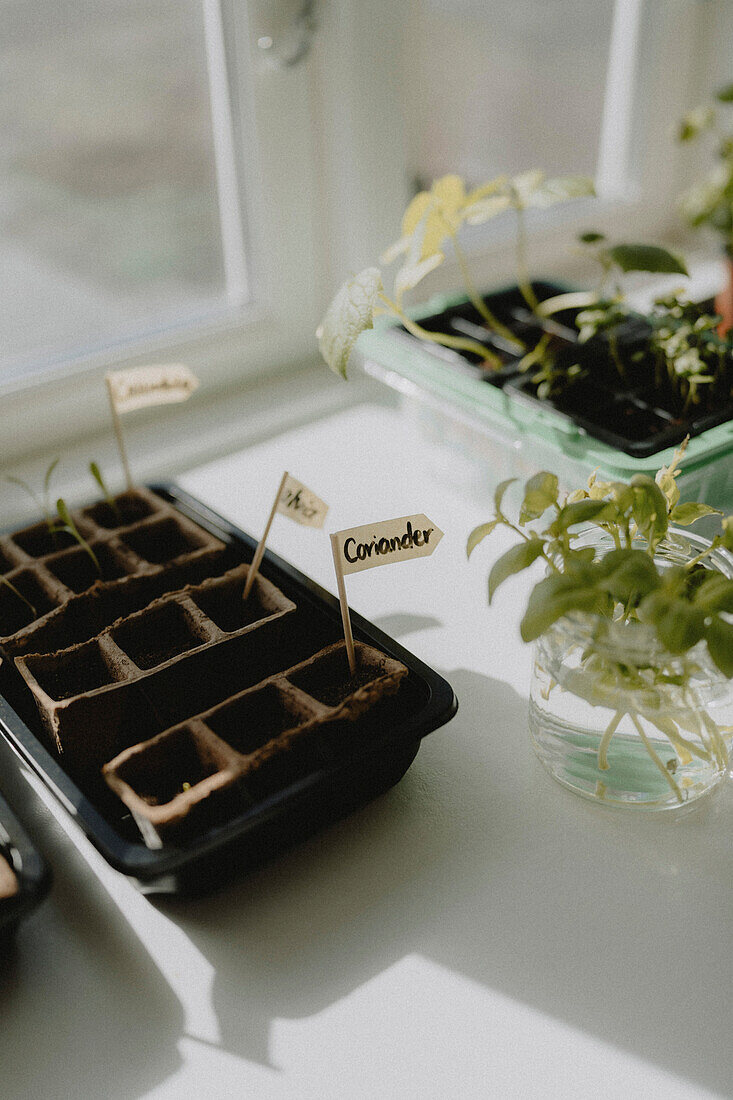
(613, 260)
(710, 201)
(688, 351)
(19, 594)
(97, 475)
(43, 502)
(66, 523)
(433, 220)
(684, 605)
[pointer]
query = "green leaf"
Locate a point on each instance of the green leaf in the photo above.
(695, 122)
(540, 493)
(350, 313)
(591, 237)
(631, 574)
(479, 534)
(16, 592)
(501, 488)
(726, 539)
(725, 94)
(715, 593)
(409, 275)
(554, 597)
(514, 561)
(67, 524)
(719, 637)
(685, 514)
(647, 257)
(678, 624)
(49, 475)
(559, 189)
(649, 508)
(582, 511)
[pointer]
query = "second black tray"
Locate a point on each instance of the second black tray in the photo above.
(30, 869)
(425, 702)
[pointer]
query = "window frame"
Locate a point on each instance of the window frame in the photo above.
(332, 205)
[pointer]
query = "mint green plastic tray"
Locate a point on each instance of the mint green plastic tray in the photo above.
(503, 435)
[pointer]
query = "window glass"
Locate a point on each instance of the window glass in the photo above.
(109, 213)
(505, 86)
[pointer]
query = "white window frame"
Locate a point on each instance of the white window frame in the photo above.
(332, 188)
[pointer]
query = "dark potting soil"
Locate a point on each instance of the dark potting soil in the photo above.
(625, 412)
(83, 670)
(152, 639)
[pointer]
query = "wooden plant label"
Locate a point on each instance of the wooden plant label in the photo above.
(299, 503)
(292, 499)
(376, 544)
(387, 543)
(140, 387)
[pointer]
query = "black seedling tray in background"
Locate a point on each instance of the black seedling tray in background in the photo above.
(629, 415)
(31, 870)
(424, 702)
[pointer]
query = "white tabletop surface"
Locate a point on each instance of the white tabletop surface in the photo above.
(475, 932)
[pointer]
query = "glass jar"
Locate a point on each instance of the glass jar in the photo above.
(616, 717)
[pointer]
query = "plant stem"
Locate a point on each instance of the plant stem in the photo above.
(650, 749)
(576, 299)
(523, 280)
(479, 304)
(14, 590)
(606, 740)
(617, 360)
(458, 343)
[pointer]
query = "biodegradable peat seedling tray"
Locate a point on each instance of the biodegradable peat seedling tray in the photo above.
(24, 875)
(192, 732)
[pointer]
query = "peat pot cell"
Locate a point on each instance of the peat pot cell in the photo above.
(162, 541)
(328, 679)
(128, 508)
(254, 719)
(169, 764)
(39, 540)
(17, 612)
(282, 770)
(224, 605)
(77, 570)
(63, 675)
(157, 635)
(6, 563)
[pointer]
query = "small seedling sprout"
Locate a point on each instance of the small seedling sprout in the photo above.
(97, 475)
(66, 523)
(19, 594)
(42, 503)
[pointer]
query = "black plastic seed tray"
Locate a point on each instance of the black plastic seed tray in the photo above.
(25, 878)
(298, 804)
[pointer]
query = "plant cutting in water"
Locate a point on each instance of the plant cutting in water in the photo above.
(433, 220)
(618, 583)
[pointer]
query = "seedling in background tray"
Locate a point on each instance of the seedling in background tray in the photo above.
(710, 202)
(433, 219)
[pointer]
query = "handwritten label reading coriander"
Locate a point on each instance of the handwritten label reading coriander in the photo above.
(141, 387)
(386, 543)
(299, 503)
